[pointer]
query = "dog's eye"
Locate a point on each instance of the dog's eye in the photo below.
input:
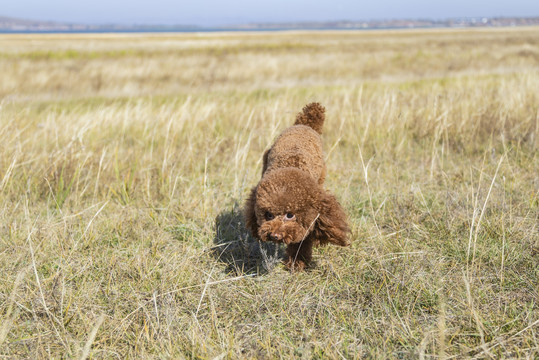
(289, 216)
(269, 216)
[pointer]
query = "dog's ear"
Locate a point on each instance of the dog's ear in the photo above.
(331, 225)
(250, 215)
(265, 161)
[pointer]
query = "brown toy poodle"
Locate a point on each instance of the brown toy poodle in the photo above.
(289, 204)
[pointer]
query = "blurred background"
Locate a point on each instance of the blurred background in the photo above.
(243, 13)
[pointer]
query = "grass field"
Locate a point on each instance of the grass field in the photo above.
(125, 161)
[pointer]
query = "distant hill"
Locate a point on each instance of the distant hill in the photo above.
(8, 24)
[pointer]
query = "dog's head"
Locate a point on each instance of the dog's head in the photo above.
(288, 205)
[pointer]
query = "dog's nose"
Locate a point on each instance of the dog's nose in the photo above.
(276, 237)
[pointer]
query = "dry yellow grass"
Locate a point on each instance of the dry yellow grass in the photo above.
(126, 158)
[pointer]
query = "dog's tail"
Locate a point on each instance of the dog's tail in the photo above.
(313, 116)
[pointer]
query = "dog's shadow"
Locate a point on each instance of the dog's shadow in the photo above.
(235, 247)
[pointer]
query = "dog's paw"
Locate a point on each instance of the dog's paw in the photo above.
(298, 265)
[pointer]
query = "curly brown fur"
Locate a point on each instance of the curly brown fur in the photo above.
(312, 115)
(289, 204)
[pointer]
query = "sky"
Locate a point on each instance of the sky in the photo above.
(215, 12)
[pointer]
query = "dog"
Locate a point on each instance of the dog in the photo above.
(289, 205)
